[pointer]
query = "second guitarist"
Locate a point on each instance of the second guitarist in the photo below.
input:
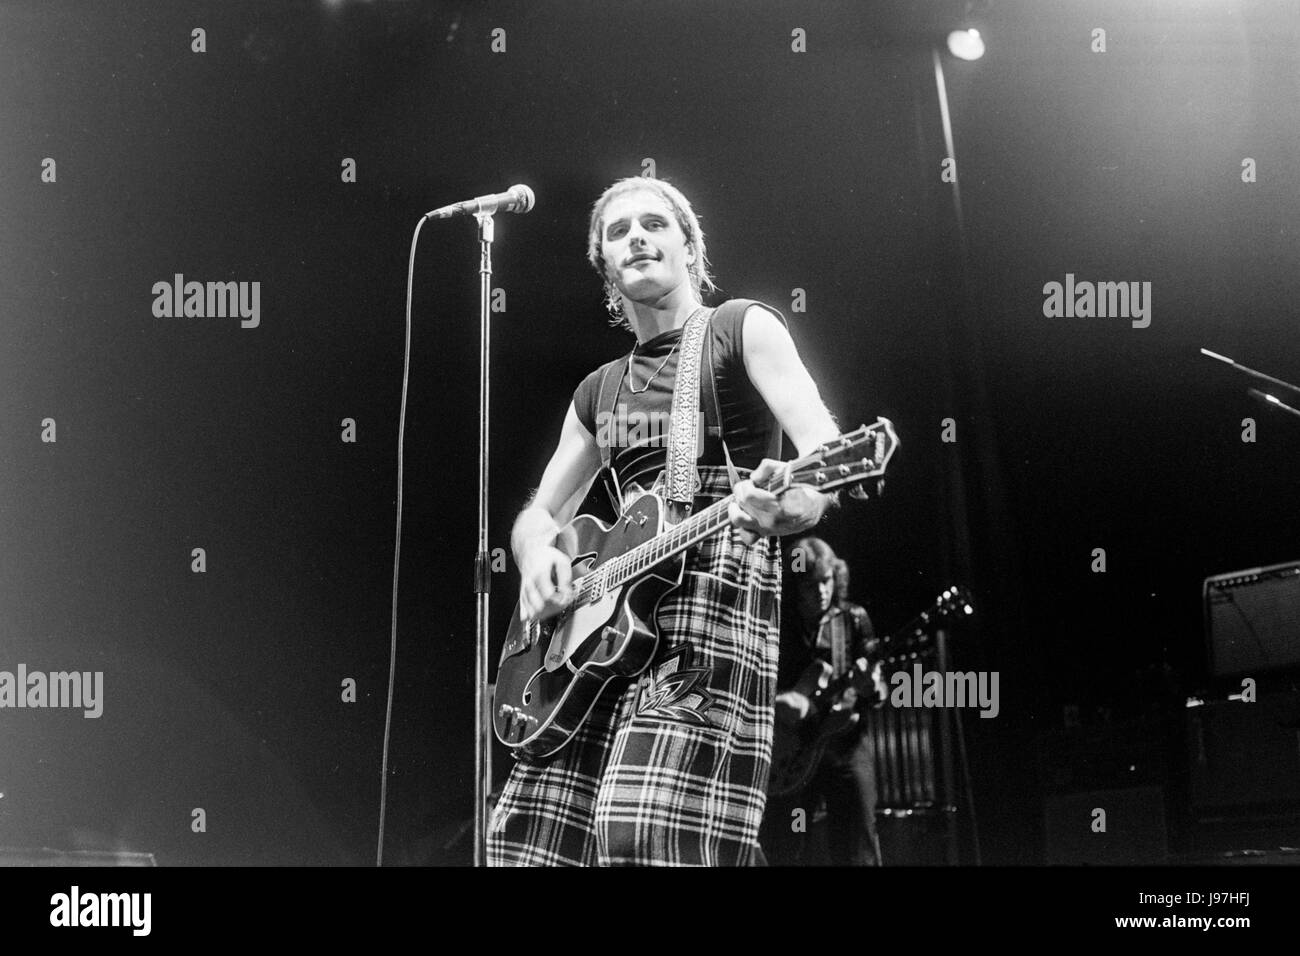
(820, 625)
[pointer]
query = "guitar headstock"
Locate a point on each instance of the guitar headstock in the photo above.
(954, 602)
(851, 459)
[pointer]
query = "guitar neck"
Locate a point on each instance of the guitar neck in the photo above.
(849, 459)
(913, 628)
(629, 566)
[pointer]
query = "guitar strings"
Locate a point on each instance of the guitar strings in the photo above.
(646, 555)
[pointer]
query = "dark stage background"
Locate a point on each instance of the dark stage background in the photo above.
(817, 170)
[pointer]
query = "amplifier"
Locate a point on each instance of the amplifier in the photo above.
(1252, 620)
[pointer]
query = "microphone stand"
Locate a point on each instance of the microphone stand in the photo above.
(1254, 392)
(482, 563)
(1273, 400)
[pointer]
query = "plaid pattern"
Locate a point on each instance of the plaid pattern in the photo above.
(671, 768)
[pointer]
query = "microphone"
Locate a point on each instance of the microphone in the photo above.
(514, 199)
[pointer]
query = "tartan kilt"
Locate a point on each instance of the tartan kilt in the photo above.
(670, 768)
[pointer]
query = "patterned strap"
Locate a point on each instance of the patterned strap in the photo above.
(680, 479)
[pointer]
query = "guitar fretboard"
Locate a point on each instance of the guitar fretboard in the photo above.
(832, 465)
(631, 565)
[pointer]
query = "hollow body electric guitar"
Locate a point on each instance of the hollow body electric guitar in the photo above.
(553, 671)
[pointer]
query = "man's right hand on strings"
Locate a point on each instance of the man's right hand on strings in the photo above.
(545, 576)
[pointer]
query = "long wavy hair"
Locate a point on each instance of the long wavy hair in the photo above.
(814, 560)
(687, 221)
(841, 580)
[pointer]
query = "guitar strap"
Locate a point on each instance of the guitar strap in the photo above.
(681, 480)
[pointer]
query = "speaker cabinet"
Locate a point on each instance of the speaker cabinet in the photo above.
(916, 839)
(1244, 754)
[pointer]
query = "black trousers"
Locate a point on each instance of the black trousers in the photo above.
(846, 779)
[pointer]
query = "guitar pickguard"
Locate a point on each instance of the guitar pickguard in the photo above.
(578, 625)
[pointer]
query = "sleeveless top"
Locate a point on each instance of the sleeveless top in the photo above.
(635, 425)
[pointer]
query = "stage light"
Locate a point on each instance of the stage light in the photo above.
(966, 44)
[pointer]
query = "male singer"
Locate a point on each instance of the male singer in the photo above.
(670, 768)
